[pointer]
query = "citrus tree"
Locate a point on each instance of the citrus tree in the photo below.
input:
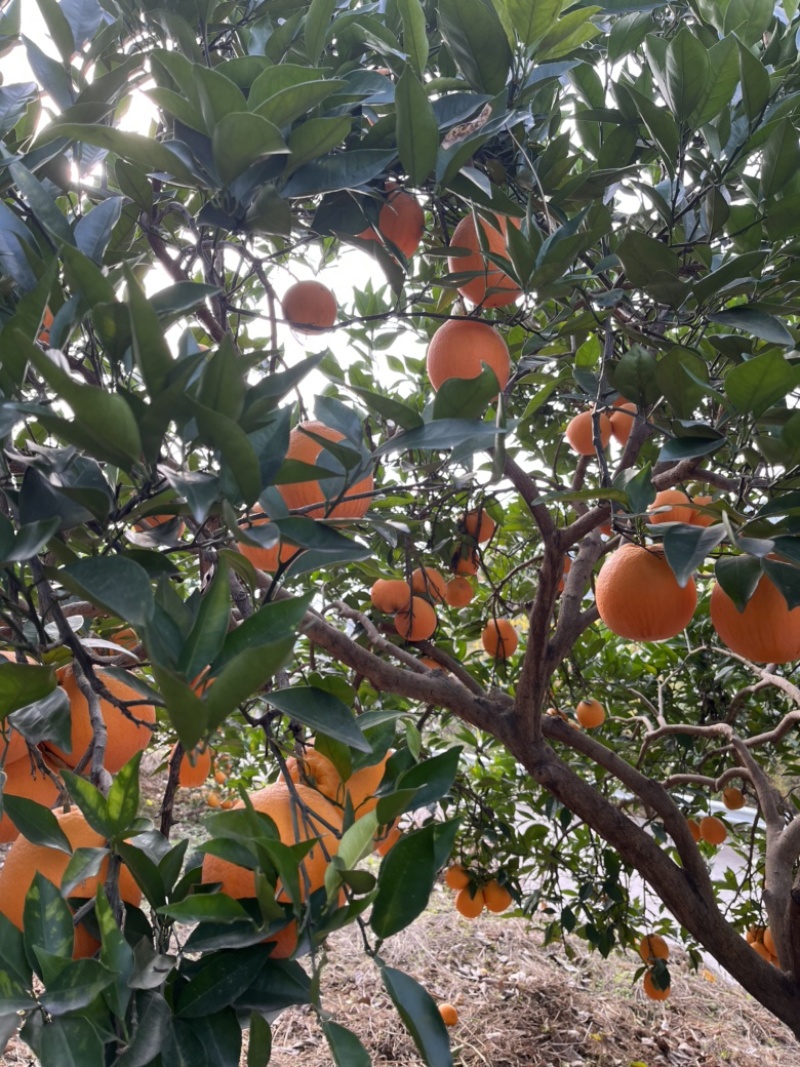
(398, 408)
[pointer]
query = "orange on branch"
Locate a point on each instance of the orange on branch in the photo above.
(417, 622)
(621, 419)
(580, 432)
(590, 713)
(427, 581)
(769, 942)
(25, 779)
(713, 830)
(125, 737)
(458, 592)
(653, 947)
(677, 504)
(651, 990)
(496, 897)
(765, 632)
(44, 329)
(499, 638)
(456, 876)
(401, 221)
(265, 559)
(694, 828)
(309, 307)
(195, 766)
(315, 770)
(298, 495)
(479, 524)
(488, 275)
(466, 564)
(700, 518)
(638, 595)
(460, 347)
(24, 859)
(733, 798)
(363, 784)
(390, 595)
(468, 905)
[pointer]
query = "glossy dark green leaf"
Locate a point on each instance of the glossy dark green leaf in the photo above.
(93, 231)
(22, 684)
(321, 710)
(90, 801)
(651, 265)
(635, 376)
(756, 323)
(748, 19)
(241, 139)
(681, 389)
(123, 796)
(219, 979)
(154, 1024)
(76, 987)
(780, 159)
(243, 676)
(14, 996)
(420, 1014)
(146, 874)
(317, 22)
(738, 576)
(477, 42)
(690, 447)
(444, 434)
(415, 34)
(223, 433)
(570, 31)
(464, 398)
(84, 863)
(36, 822)
(46, 922)
(267, 626)
(12, 952)
(407, 876)
(259, 1045)
(760, 382)
(42, 204)
(345, 170)
(117, 584)
(187, 712)
(687, 546)
(211, 625)
(787, 580)
(346, 1049)
(755, 82)
(296, 100)
(280, 984)
(417, 129)
(70, 1042)
(30, 539)
(204, 907)
(133, 147)
(431, 778)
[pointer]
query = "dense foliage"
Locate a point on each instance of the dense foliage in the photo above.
(643, 159)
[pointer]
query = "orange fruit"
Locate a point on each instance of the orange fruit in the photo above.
(694, 828)
(580, 432)
(390, 595)
(460, 347)
(363, 784)
(456, 877)
(427, 581)
(213, 799)
(431, 663)
(699, 518)
(265, 559)
(638, 596)
(125, 737)
(499, 638)
(653, 947)
(479, 524)
(449, 1014)
(309, 307)
(765, 632)
(761, 949)
(195, 766)
(315, 770)
(680, 509)
(732, 798)
(590, 713)
(488, 276)
(152, 522)
(458, 592)
(47, 322)
(401, 221)
(650, 988)
(126, 638)
(713, 830)
(496, 897)
(621, 420)
(466, 564)
(468, 905)
(769, 942)
(25, 779)
(417, 622)
(24, 859)
(299, 495)
(755, 933)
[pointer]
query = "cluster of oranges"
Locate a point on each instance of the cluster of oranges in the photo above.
(653, 948)
(471, 898)
(760, 939)
(709, 829)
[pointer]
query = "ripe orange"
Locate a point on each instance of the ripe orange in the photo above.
(24, 859)
(499, 638)
(580, 432)
(590, 713)
(765, 632)
(431, 663)
(769, 942)
(713, 830)
(315, 770)
(310, 307)
(152, 522)
(466, 564)
(488, 276)
(449, 1014)
(653, 947)
(566, 569)
(460, 346)
(699, 518)
(755, 933)
(479, 524)
(363, 784)
(47, 322)
(299, 495)
(24, 779)
(650, 988)
(496, 897)
(401, 221)
(679, 511)
(427, 581)
(125, 737)
(195, 766)
(265, 559)
(761, 950)
(732, 798)
(621, 420)
(390, 595)
(694, 828)
(468, 905)
(638, 596)
(458, 592)
(417, 622)
(456, 877)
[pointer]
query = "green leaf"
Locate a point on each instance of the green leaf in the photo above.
(36, 823)
(687, 546)
(748, 19)
(205, 907)
(407, 876)
(760, 382)
(270, 625)
(135, 148)
(415, 34)
(241, 139)
(417, 129)
(84, 863)
(259, 1046)
(296, 100)
(44, 208)
(389, 408)
(58, 28)
(346, 1049)
(690, 447)
(464, 398)
(530, 22)
(22, 684)
(570, 32)
(635, 376)
(679, 387)
(323, 711)
(225, 435)
(755, 82)
(627, 33)
(30, 539)
(70, 1043)
(738, 576)
(420, 1014)
(12, 952)
(187, 712)
(315, 137)
(650, 265)
(123, 796)
(210, 628)
(76, 987)
(780, 159)
(219, 979)
(477, 41)
(786, 579)
(243, 676)
(114, 583)
(317, 21)
(90, 801)
(149, 346)
(444, 434)
(46, 922)
(432, 778)
(756, 323)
